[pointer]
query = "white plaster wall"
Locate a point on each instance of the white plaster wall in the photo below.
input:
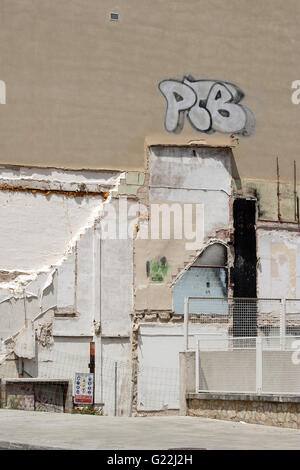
(96, 268)
(40, 226)
(65, 358)
(117, 271)
(158, 355)
(200, 176)
(116, 286)
(54, 242)
(66, 288)
(116, 364)
(158, 375)
(202, 168)
(70, 271)
(278, 273)
(215, 205)
(57, 177)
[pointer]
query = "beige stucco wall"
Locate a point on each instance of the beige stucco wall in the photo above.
(82, 90)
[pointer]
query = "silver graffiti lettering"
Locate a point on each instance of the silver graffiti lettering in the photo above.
(210, 106)
(179, 98)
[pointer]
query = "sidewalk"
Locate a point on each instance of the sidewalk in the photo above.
(38, 430)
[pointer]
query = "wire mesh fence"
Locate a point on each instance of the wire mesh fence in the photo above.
(112, 378)
(243, 345)
(241, 317)
(120, 387)
(254, 365)
(292, 317)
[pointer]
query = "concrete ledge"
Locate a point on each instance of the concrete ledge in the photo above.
(275, 398)
(12, 445)
(34, 380)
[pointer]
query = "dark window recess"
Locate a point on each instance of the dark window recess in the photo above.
(244, 270)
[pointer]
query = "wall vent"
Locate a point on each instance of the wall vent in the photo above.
(114, 16)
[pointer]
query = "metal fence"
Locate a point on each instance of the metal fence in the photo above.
(240, 317)
(254, 365)
(244, 345)
(121, 387)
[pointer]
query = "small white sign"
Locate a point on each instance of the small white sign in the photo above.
(84, 388)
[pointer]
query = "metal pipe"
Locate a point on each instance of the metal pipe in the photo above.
(278, 191)
(116, 389)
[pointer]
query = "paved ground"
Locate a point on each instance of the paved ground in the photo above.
(26, 429)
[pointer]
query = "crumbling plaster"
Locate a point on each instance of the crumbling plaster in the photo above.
(53, 283)
(278, 273)
(184, 176)
(269, 200)
(70, 286)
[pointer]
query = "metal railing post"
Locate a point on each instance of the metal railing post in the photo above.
(259, 371)
(283, 324)
(186, 323)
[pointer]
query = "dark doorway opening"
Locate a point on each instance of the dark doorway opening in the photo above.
(244, 270)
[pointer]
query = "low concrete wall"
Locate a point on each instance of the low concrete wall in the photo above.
(53, 395)
(271, 410)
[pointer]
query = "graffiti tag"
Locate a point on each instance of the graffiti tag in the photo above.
(209, 105)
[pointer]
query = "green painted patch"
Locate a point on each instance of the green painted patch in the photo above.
(157, 269)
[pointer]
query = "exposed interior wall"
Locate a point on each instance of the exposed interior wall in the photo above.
(277, 201)
(206, 277)
(67, 285)
(183, 176)
(278, 271)
(169, 179)
(75, 287)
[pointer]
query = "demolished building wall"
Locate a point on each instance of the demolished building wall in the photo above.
(77, 278)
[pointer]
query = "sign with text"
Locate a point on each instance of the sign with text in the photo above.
(84, 387)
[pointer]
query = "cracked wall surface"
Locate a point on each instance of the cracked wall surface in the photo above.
(279, 264)
(68, 287)
(183, 176)
(67, 284)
